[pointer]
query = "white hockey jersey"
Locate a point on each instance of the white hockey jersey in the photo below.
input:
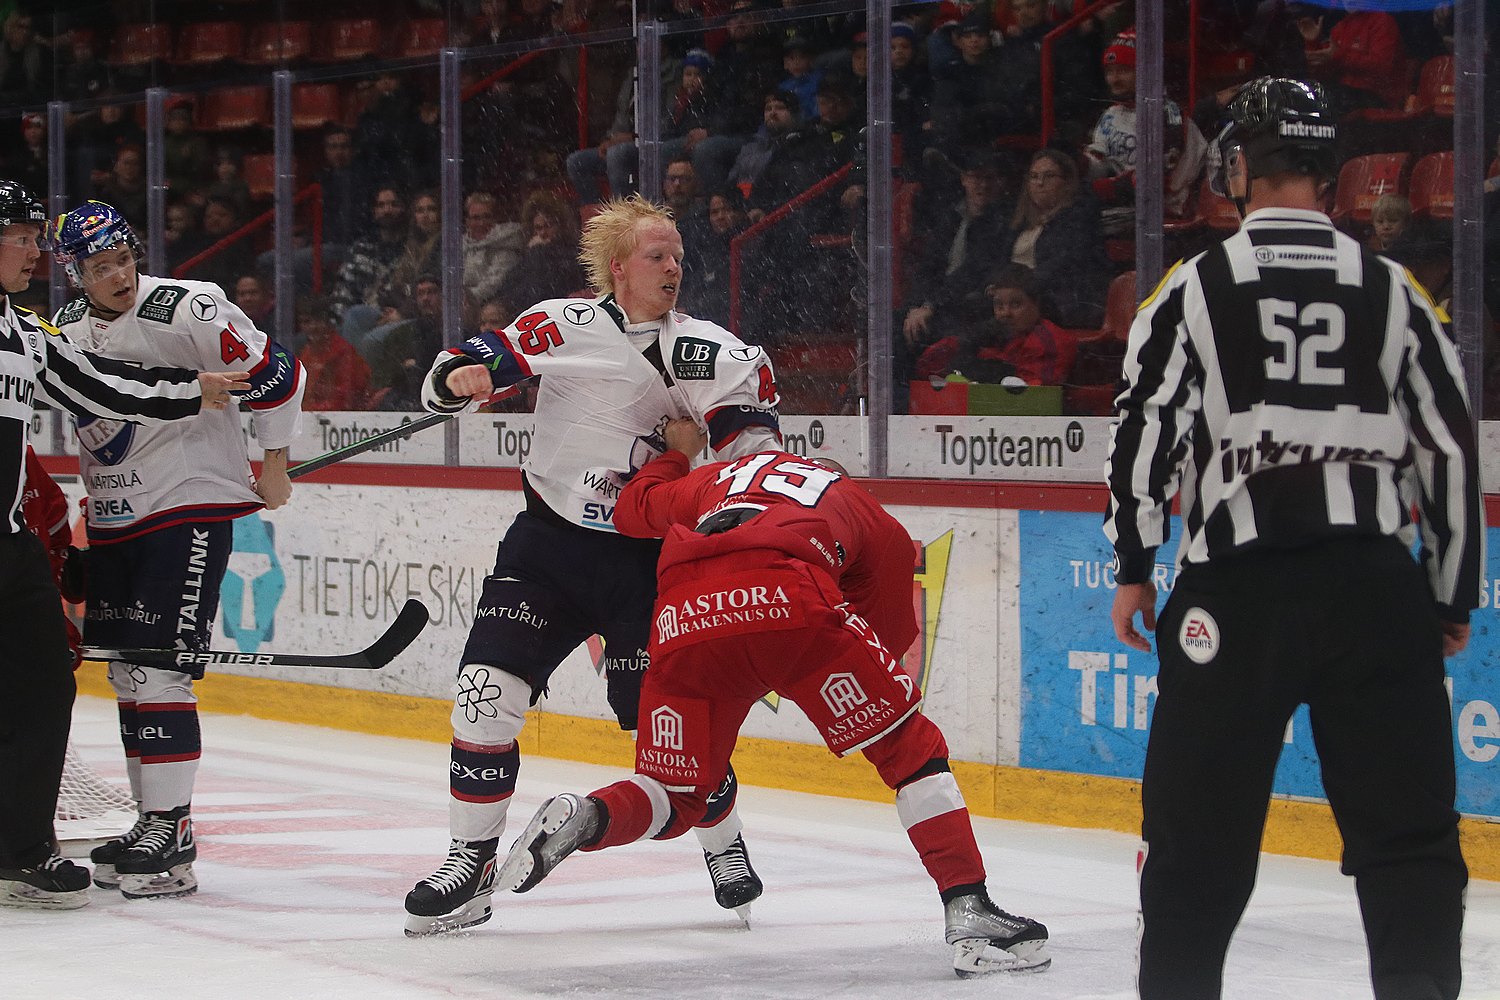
(1111, 151)
(607, 390)
(140, 478)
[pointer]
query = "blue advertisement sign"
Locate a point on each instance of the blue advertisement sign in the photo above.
(1086, 698)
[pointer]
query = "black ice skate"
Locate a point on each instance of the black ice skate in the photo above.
(106, 854)
(736, 885)
(986, 939)
(159, 865)
(52, 883)
(561, 826)
(457, 895)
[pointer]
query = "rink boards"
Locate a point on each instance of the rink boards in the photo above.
(1045, 713)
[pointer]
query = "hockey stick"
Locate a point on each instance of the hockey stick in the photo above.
(368, 444)
(401, 633)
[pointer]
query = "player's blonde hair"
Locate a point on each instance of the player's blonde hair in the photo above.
(611, 235)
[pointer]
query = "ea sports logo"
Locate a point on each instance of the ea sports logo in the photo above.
(1199, 635)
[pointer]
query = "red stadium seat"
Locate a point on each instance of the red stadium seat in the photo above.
(208, 43)
(230, 108)
(421, 37)
(315, 105)
(259, 171)
(347, 40)
(1363, 180)
(1216, 212)
(138, 44)
(1435, 87)
(1432, 186)
(271, 42)
(1119, 307)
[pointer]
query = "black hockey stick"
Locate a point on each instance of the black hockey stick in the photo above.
(401, 633)
(368, 444)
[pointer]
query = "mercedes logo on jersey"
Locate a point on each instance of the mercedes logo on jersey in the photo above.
(579, 313)
(204, 308)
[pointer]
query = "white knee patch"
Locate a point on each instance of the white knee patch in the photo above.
(661, 806)
(489, 705)
(149, 686)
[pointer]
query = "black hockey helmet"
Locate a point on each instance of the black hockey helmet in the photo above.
(1275, 125)
(19, 206)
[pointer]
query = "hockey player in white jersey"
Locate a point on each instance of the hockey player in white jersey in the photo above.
(160, 503)
(613, 370)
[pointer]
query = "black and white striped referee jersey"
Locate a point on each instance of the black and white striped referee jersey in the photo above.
(37, 364)
(1294, 386)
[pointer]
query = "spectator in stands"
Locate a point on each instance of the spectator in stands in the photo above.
(183, 233)
(369, 262)
(491, 247)
(399, 362)
(697, 121)
(25, 63)
(613, 160)
(1111, 154)
(962, 246)
(125, 186)
(346, 201)
(386, 134)
(95, 139)
(802, 78)
(495, 315)
(27, 162)
(1389, 218)
(705, 253)
(1358, 60)
(1056, 231)
(185, 152)
(229, 182)
(221, 221)
(911, 97)
(679, 189)
(548, 267)
(423, 251)
(779, 119)
(337, 377)
(746, 66)
(255, 295)
(974, 98)
(86, 76)
(1014, 342)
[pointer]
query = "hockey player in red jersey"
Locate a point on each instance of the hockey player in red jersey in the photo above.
(779, 575)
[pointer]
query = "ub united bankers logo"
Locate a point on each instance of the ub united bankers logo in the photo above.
(107, 440)
(1199, 635)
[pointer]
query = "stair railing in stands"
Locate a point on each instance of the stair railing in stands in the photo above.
(737, 245)
(1049, 101)
(313, 192)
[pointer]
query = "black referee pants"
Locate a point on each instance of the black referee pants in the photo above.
(1348, 627)
(36, 698)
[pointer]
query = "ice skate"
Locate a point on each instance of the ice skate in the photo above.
(736, 885)
(53, 883)
(457, 895)
(106, 854)
(159, 865)
(561, 826)
(986, 939)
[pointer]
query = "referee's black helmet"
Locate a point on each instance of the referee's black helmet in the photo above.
(1275, 125)
(19, 206)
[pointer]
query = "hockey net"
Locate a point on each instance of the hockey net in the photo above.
(89, 807)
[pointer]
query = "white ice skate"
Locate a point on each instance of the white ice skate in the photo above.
(563, 824)
(986, 939)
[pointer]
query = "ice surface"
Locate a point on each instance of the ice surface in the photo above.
(309, 838)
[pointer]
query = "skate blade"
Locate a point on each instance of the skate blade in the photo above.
(743, 912)
(978, 957)
(105, 877)
(473, 913)
(520, 872)
(24, 895)
(176, 881)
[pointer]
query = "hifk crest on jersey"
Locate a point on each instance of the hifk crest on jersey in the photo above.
(107, 440)
(645, 448)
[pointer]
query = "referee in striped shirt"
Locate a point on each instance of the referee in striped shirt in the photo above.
(36, 678)
(1302, 397)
